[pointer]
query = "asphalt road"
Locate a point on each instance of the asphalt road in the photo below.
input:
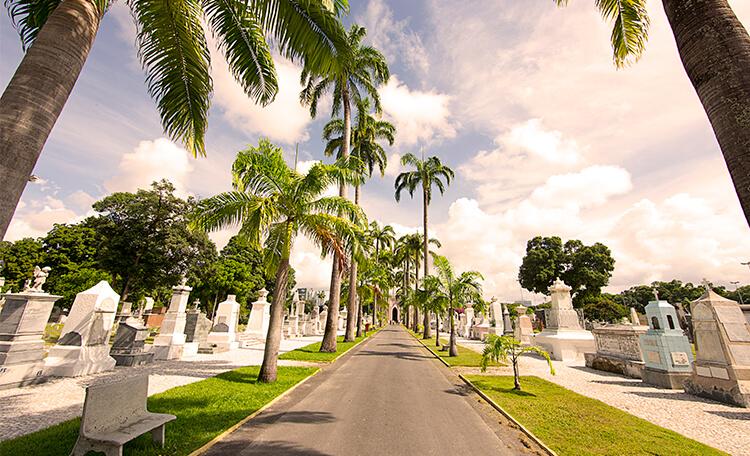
(388, 396)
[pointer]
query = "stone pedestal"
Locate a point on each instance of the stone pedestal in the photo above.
(523, 331)
(564, 338)
(170, 342)
(618, 350)
(496, 317)
(83, 347)
(466, 330)
(342, 319)
(260, 317)
(722, 343)
(666, 349)
(197, 327)
(223, 335)
(22, 322)
(128, 347)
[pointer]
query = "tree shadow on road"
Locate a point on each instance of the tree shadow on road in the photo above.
(307, 417)
(265, 448)
(399, 355)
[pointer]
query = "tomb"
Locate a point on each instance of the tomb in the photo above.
(83, 346)
(523, 330)
(721, 370)
(618, 350)
(128, 346)
(666, 349)
(223, 335)
(170, 342)
(564, 337)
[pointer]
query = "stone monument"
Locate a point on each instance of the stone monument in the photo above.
(342, 319)
(480, 330)
(564, 338)
(130, 340)
(634, 320)
(322, 320)
(22, 321)
(523, 330)
(83, 346)
(170, 342)
(148, 305)
(496, 317)
(197, 327)
(507, 324)
(722, 343)
(126, 311)
(223, 335)
(618, 350)
(469, 312)
(665, 347)
(260, 317)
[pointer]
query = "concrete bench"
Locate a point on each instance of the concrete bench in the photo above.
(115, 413)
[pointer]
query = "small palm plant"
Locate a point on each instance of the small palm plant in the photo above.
(502, 349)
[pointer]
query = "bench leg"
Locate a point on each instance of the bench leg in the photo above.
(158, 435)
(113, 451)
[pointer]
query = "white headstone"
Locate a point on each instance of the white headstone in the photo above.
(260, 316)
(223, 335)
(149, 304)
(83, 346)
(564, 338)
(170, 342)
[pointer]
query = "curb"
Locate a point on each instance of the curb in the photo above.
(234, 427)
(430, 350)
(494, 405)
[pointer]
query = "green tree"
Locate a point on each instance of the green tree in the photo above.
(145, 240)
(507, 348)
(715, 51)
(173, 49)
(19, 259)
(586, 269)
(358, 73)
(273, 202)
(454, 291)
(603, 308)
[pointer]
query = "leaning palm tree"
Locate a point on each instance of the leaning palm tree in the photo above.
(455, 291)
(715, 51)
(356, 76)
(59, 34)
(427, 173)
(272, 203)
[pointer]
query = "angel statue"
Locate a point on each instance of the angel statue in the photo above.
(40, 276)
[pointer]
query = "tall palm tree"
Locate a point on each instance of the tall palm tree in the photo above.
(427, 173)
(432, 301)
(714, 48)
(58, 35)
(413, 247)
(455, 291)
(273, 203)
(357, 74)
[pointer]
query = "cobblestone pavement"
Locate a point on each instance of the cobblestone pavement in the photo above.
(31, 408)
(720, 426)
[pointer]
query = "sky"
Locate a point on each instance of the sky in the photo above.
(522, 99)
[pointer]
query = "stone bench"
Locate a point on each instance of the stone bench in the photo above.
(114, 414)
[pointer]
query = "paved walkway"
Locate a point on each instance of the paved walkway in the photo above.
(719, 425)
(31, 408)
(388, 396)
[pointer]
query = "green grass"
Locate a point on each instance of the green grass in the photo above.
(572, 424)
(466, 356)
(204, 410)
(52, 333)
(311, 352)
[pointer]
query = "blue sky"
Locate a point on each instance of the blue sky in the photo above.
(520, 98)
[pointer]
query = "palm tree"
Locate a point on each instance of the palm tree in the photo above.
(455, 291)
(504, 348)
(432, 301)
(357, 74)
(58, 36)
(384, 238)
(427, 173)
(272, 202)
(413, 246)
(715, 51)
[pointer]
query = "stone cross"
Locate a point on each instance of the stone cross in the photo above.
(656, 294)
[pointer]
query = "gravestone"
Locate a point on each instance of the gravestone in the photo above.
(83, 346)
(342, 319)
(148, 305)
(260, 317)
(618, 350)
(22, 321)
(480, 330)
(634, 320)
(665, 347)
(197, 327)
(721, 370)
(170, 342)
(466, 330)
(523, 330)
(564, 337)
(315, 320)
(496, 318)
(223, 335)
(507, 325)
(126, 311)
(128, 346)
(322, 320)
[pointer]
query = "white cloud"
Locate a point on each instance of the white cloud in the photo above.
(394, 38)
(81, 200)
(284, 120)
(549, 145)
(587, 187)
(419, 116)
(152, 161)
(393, 168)
(38, 217)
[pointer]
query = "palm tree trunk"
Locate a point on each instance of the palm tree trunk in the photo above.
(437, 329)
(453, 349)
(37, 93)
(416, 287)
(352, 317)
(328, 345)
(715, 51)
(359, 319)
(427, 333)
(268, 369)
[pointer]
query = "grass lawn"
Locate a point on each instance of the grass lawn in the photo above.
(466, 356)
(311, 352)
(204, 409)
(572, 424)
